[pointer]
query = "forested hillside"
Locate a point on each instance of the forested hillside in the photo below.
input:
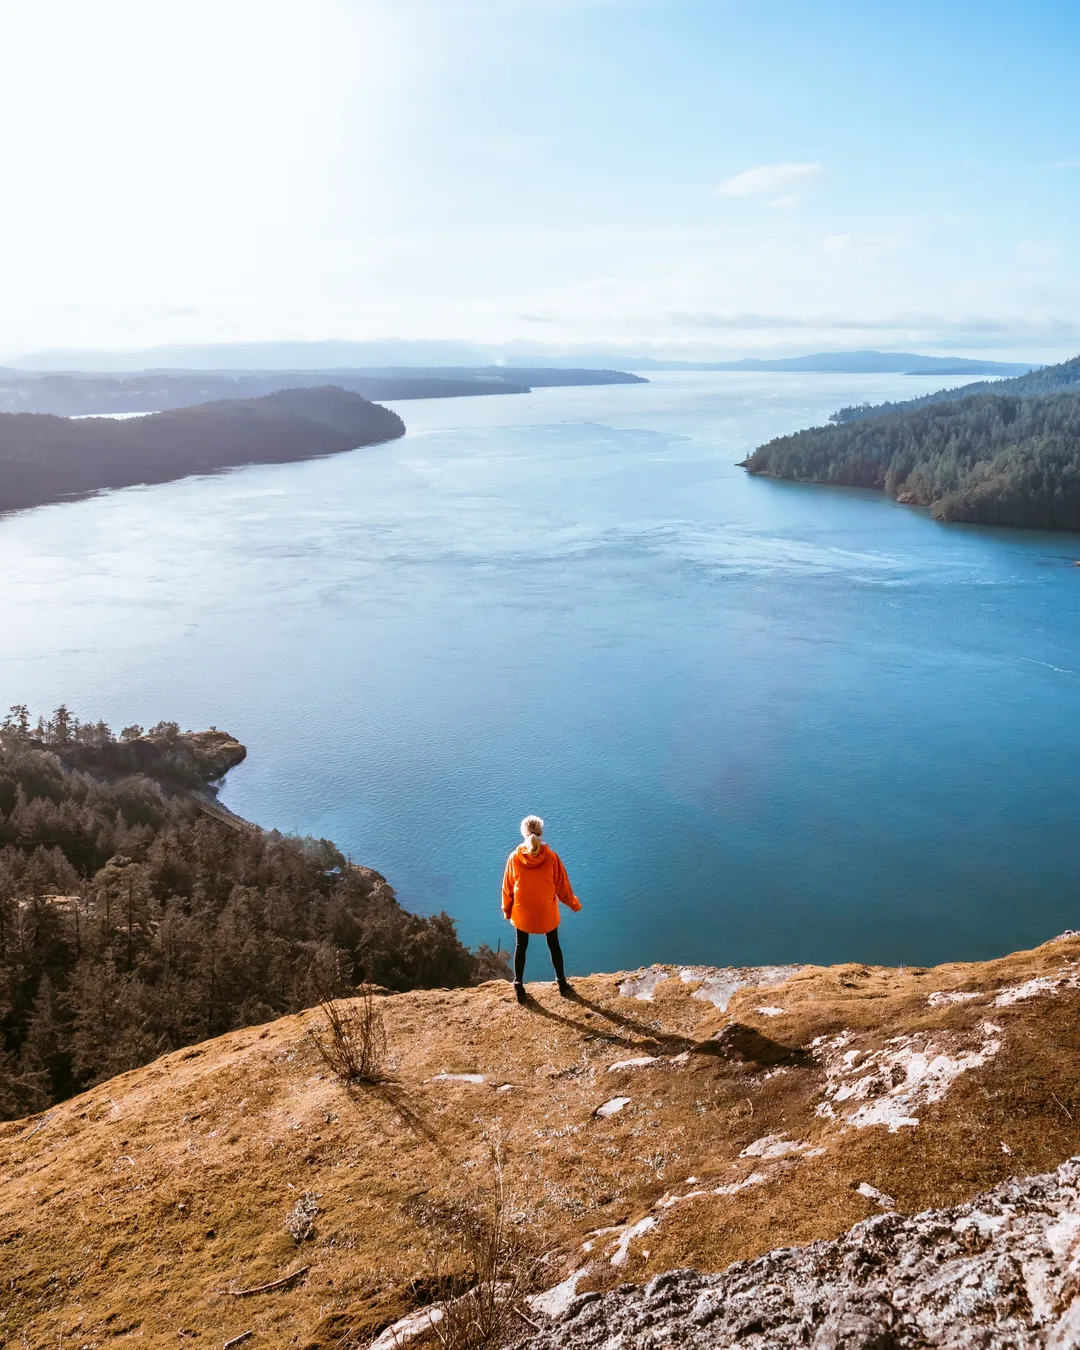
(132, 922)
(43, 458)
(1059, 379)
(987, 458)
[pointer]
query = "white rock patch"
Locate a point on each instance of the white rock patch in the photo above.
(772, 1012)
(642, 1062)
(732, 1188)
(878, 1197)
(718, 984)
(670, 1200)
(1034, 988)
(942, 1000)
(887, 1086)
(555, 1301)
(408, 1328)
(459, 1078)
(597, 1233)
(773, 1146)
(643, 985)
(622, 1247)
(612, 1107)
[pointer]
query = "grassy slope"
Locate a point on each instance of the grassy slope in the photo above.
(129, 1212)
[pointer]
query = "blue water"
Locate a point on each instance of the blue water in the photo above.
(764, 721)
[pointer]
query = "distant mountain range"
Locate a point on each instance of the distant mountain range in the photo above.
(342, 355)
(857, 363)
(82, 394)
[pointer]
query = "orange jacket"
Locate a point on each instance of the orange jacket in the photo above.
(533, 883)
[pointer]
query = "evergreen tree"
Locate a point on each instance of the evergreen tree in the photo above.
(132, 923)
(44, 1064)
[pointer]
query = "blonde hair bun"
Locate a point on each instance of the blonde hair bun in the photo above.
(532, 827)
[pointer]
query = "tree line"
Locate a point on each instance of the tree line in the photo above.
(1058, 379)
(44, 457)
(987, 458)
(133, 923)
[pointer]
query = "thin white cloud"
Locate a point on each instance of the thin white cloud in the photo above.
(766, 179)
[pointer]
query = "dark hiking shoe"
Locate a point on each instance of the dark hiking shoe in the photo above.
(567, 989)
(519, 992)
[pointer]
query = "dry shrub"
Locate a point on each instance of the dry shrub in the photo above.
(496, 1270)
(300, 1221)
(353, 1042)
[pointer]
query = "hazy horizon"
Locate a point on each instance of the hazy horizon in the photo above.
(342, 354)
(699, 179)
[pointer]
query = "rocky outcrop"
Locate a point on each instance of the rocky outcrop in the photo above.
(174, 758)
(213, 753)
(1001, 1271)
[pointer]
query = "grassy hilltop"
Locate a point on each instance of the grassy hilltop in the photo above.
(666, 1120)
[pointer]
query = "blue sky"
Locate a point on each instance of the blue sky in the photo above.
(693, 177)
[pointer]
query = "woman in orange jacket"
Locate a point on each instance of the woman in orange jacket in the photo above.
(533, 884)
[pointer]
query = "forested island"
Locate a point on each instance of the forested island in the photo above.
(984, 458)
(44, 458)
(78, 394)
(133, 922)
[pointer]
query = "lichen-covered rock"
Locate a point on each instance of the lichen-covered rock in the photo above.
(1001, 1271)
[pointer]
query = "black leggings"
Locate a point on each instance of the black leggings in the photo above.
(553, 947)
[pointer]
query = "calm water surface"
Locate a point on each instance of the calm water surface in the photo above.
(764, 721)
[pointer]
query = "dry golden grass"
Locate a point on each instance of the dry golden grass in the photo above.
(140, 1211)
